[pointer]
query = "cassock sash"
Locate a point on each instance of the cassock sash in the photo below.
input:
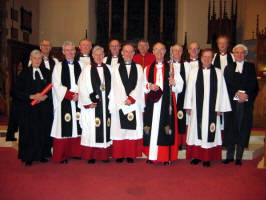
(128, 121)
(96, 85)
(212, 102)
(66, 104)
(163, 138)
(181, 115)
(217, 61)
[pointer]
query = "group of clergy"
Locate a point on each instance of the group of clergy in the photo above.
(126, 104)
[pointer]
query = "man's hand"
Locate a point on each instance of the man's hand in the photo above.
(154, 87)
(219, 113)
(93, 105)
(128, 102)
(75, 97)
(188, 111)
(171, 81)
(242, 97)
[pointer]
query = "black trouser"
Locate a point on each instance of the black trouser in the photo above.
(231, 149)
(238, 124)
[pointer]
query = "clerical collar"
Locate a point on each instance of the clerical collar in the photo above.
(223, 53)
(99, 65)
(128, 63)
(70, 62)
(240, 63)
(159, 63)
(206, 67)
(38, 70)
(193, 59)
(45, 58)
(114, 56)
(84, 55)
(175, 61)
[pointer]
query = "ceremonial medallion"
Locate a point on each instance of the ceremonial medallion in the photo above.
(102, 87)
(130, 116)
(180, 114)
(108, 122)
(67, 117)
(97, 122)
(146, 130)
(77, 115)
(212, 127)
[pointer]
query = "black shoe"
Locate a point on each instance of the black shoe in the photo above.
(181, 147)
(167, 163)
(239, 162)
(64, 162)
(149, 162)
(195, 161)
(76, 158)
(130, 160)
(119, 160)
(106, 161)
(227, 161)
(91, 161)
(44, 160)
(11, 139)
(28, 163)
(206, 164)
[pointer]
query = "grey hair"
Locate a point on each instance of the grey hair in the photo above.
(35, 52)
(241, 46)
(68, 43)
(96, 48)
(171, 49)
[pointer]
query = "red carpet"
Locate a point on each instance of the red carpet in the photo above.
(78, 180)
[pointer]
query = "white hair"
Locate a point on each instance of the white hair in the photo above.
(35, 52)
(96, 48)
(241, 46)
(68, 43)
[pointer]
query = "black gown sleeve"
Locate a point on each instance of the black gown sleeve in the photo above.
(252, 86)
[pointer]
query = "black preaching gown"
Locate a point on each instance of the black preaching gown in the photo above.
(238, 122)
(34, 121)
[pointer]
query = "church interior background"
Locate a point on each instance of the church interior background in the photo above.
(23, 23)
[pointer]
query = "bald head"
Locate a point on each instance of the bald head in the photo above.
(159, 51)
(193, 50)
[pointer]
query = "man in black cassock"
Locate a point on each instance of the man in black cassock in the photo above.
(242, 85)
(34, 121)
(114, 55)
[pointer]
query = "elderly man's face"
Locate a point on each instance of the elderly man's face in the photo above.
(206, 58)
(193, 50)
(222, 44)
(69, 51)
(98, 56)
(143, 47)
(85, 47)
(45, 47)
(177, 53)
(127, 53)
(114, 47)
(36, 60)
(159, 52)
(239, 54)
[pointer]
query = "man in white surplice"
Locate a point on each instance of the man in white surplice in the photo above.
(84, 55)
(127, 106)
(66, 130)
(94, 89)
(205, 99)
(160, 136)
